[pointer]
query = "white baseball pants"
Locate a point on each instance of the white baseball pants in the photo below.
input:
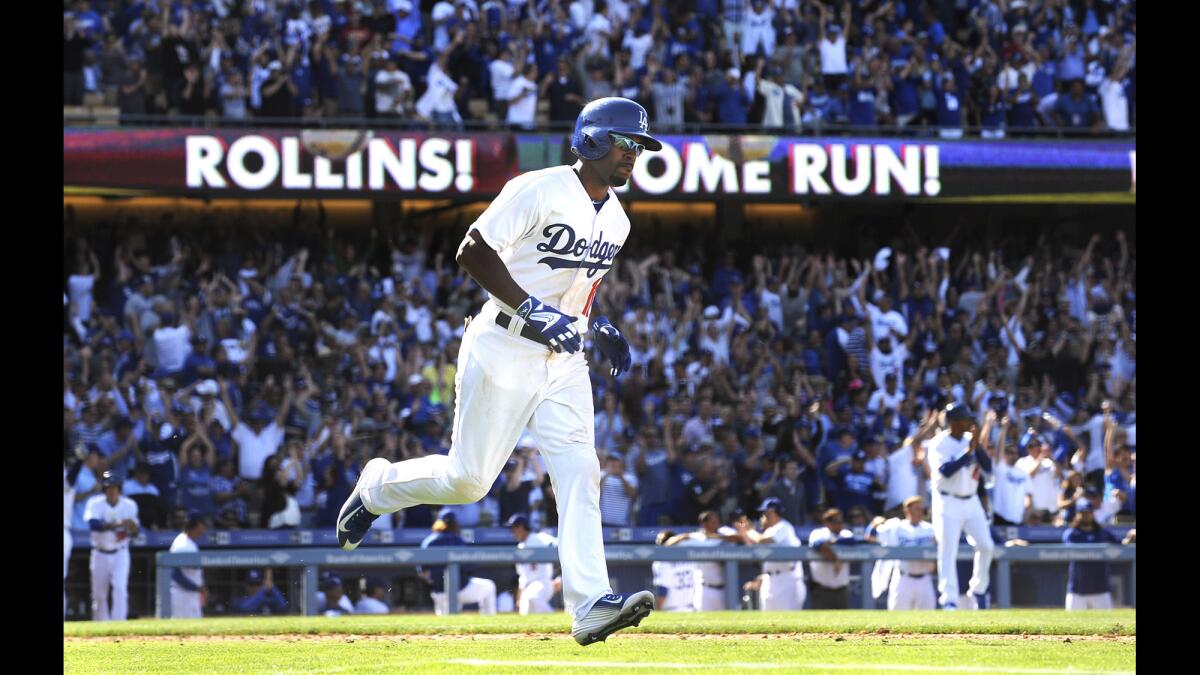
(185, 604)
(708, 599)
(905, 592)
(110, 570)
(505, 383)
(783, 590)
(535, 598)
(67, 545)
(951, 517)
(1089, 601)
(480, 591)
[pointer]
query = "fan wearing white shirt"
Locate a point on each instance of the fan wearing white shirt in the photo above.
(535, 580)
(781, 584)
(830, 578)
(889, 396)
(710, 577)
(1044, 477)
(393, 90)
(1012, 494)
(262, 437)
(522, 98)
(907, 470)
(188, 594)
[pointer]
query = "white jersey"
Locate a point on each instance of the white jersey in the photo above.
(1008, 495)
(184, 544)
(528, 573)
(98, 508)
(554, 243)
(829, 574)
(901, 532)
(708, 573)
(944, 448)
(783, 533)
(679, 578)
(68, 501)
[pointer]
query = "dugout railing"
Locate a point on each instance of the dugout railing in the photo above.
(453, 557)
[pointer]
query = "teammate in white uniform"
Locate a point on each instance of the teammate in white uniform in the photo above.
(911, 581)
(71, 467)
(188, 594)
(674, 582)
(535, 580)
(958, 463)
(541, 250)
(781, 585)
(709, 591)
(113, 519)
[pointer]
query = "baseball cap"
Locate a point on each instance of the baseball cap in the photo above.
(771, 503)
(254, 577)
(207, 388)
(447, 516)
(517, 519)
(333, 581)
(711, 312)
(734, 73)
(957, 412)
(860, 455)
(1084, 505)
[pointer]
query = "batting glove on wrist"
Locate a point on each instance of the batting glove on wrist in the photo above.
(612, 344)
(557, 328)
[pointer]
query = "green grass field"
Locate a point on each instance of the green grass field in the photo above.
(996, 641)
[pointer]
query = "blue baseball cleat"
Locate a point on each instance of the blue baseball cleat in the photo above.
(982, 601)
(610, 614)
(354, 519)
(949, 607)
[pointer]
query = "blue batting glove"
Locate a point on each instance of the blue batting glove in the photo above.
(557, 328)
(612, 344)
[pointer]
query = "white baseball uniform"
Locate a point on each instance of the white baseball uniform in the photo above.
(677, 582)
(557, 247)
(956, 508)
(911, 584)
(110, 556)
(185, 604)
(536, 579)
(782, 582)
(68, 543)
(709, 593)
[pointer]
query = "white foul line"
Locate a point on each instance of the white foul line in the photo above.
(788, 666)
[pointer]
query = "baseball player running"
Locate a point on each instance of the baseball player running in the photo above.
(958, 463)
(188, 594)
(541, 250)
(911, 583)
(535, 580)
(781, 584)
(113, 519)
(674, 582)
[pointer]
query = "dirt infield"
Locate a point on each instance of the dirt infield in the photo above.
(883, 635)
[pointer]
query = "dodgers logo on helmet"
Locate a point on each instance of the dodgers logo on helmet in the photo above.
(613, 114)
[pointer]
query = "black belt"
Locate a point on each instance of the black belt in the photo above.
(947, 494)
(714, 586)
(827, 588)
(528, 332)
(115, 550)
(915, 576)
(790, 569)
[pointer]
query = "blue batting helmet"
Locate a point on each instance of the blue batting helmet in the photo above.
(611, 114)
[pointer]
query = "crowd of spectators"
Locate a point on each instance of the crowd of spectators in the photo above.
(247, 379)
(778, 64)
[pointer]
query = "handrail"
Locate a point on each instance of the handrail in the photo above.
(212, 122)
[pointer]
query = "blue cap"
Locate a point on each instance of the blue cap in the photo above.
(771, 503)
(517, 519)
(860, 455)
(332, 582)
(447, 516)
(253, 577)
(194, 518)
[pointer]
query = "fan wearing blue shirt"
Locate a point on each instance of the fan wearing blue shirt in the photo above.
(1088, 585)
(260, 595)
(949, 108)
(855, 484)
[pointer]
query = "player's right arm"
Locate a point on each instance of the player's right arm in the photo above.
(486, 268)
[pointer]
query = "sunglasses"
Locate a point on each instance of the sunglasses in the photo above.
(626, 143)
